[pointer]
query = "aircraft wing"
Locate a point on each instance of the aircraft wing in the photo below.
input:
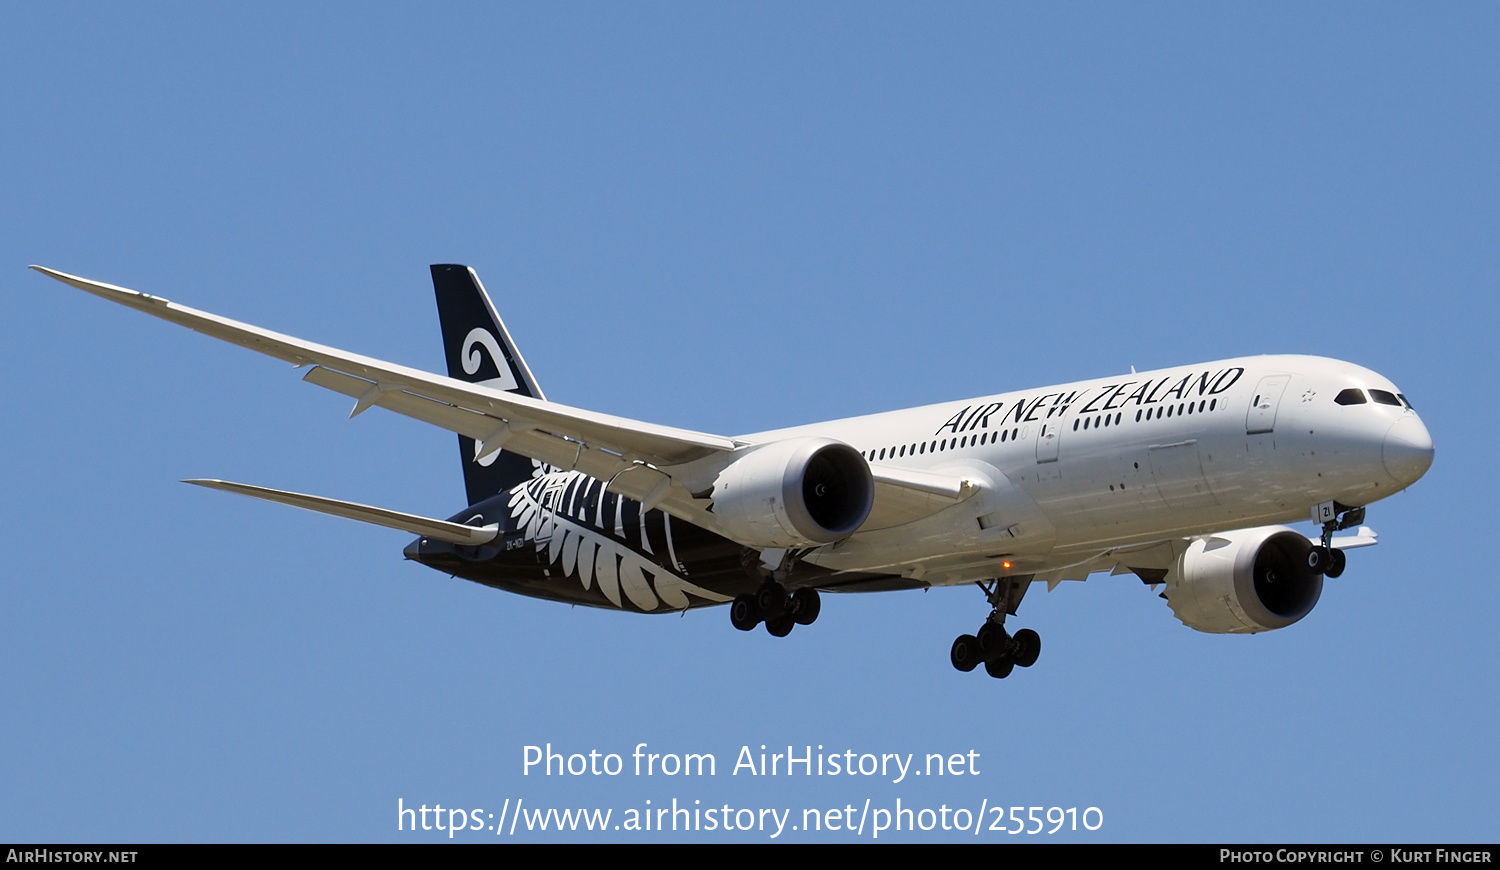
(599, 445)
(627, 453)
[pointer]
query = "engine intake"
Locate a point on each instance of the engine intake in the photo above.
(794, 493)
(1245, 581)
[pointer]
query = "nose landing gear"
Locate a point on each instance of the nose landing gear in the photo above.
(1325, 559)
(999, 651)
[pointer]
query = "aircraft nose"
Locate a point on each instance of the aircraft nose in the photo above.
(1407, 451)
(413, 550)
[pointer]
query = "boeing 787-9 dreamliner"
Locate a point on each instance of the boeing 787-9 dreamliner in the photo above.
(1184, 477)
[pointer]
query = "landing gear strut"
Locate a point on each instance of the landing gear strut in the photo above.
(772, 605)
(999, 651)
(1324, 559)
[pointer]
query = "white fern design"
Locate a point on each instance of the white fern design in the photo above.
(594, 554)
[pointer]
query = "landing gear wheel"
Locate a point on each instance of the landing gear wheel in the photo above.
(999, 650)
(1317, 560)
(1000, 668)
(965, 653)
(1028, 647)
(771, 599)
(1335, 563)
(805, 606)
(781, 626)
(743, 614)
(993, 641)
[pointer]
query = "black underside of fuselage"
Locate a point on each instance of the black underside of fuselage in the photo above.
(563, 538)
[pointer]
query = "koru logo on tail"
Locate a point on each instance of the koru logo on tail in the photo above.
(472, 359)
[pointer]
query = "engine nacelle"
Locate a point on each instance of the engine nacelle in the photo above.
(794, 493)
(1244, 581)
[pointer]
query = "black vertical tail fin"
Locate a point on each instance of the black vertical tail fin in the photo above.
(479, 350)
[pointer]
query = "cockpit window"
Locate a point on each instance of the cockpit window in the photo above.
(1385, 397)
(1405, 401)
(1350, 397)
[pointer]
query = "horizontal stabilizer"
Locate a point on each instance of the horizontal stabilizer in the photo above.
(454, 533)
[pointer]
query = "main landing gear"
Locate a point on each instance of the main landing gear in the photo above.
(780, 611)
(999, 651)
(1324, 559)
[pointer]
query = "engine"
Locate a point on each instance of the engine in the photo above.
(794, 493)
(1245, 581)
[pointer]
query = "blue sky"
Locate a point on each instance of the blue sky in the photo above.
(729, 219)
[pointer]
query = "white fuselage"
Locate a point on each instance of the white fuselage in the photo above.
(1071, 471)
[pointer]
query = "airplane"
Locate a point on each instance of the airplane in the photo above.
(1185, 477)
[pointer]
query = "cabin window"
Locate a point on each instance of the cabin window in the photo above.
(1350, 397)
